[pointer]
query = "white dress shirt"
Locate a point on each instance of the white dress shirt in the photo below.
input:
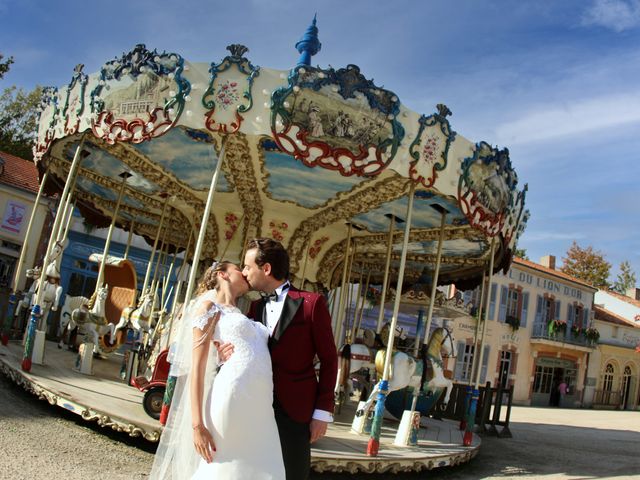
(273, 311)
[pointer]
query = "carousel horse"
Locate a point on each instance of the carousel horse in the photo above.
(25, 303)
(70, 304)
(405, 371)
(138, 317)
(357, 362)
(93, 323)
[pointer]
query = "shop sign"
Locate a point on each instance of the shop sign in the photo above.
(554, 362)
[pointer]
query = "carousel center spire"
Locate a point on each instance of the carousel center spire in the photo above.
(309, 44)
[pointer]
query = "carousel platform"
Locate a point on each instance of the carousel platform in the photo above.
(105, 399)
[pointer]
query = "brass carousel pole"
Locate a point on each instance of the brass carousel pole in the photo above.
(359, 305)
(385, 281)
(107, 244)
(171, 381)
(37, 309)
(179, 287)
(471, 415)
(383, 386)
(343, 286)
(145, 284)
(432, 300)
(366, 289)
(67, 226)
(129, 239)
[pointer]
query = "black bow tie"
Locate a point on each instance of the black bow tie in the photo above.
(269, 297)
(273, 296)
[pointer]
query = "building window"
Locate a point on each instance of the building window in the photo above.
(512, 302)
(505, 368)
(467, 362)
(607, 380)
(547, 310)
(578, 316)
(543, 382)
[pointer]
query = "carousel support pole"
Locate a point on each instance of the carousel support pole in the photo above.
(385, 282)
(469, 388)
(304, 267)
(37, 312)
(366, 289)
(383, 387)
(145, 284)
(8, 319)
(178, 288)
(67, 226)
(468, 433)
(62, 234)
(343, 286)
(171, 381)
(349, 292)
(129, 239)
(432, 300)
(359, 296)
(107, 244)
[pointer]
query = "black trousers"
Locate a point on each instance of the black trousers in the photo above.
(294, 440)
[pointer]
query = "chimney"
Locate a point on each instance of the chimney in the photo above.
(548, 261)
(633, 293)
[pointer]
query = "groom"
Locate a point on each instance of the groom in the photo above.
(300, 328)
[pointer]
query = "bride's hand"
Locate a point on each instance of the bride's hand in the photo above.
(203, 442)
(224, 351)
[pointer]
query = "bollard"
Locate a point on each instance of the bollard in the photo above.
(467, 404)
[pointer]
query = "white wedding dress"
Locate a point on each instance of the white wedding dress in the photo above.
(238, 409)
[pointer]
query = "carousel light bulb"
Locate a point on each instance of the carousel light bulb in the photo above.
(102, 83)
(390, 116)
(172, 93)
(156, 58)
(335, 89)
(187, 98)
(186, 68)
(302, 70)
(188, 113)
(283, 75)
(265, 91)
(286, 104)
(195, 86)
(321, 75)
(394, 99)
(171, 75)
(259, 119)
(296, 88)
(266, 104)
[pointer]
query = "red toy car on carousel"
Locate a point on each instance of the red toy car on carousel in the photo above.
(154, 388)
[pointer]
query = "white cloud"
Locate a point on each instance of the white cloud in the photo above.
(548, 122)
(618, 15)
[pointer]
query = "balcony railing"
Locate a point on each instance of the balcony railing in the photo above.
(542, 331)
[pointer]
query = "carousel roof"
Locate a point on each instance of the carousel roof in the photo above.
(305, 152)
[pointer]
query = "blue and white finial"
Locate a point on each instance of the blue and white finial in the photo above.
(309, 44)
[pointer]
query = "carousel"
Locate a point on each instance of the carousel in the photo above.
(200, 157)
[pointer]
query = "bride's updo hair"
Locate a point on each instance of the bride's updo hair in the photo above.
(209, 280)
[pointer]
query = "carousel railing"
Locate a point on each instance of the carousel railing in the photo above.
(493, 411)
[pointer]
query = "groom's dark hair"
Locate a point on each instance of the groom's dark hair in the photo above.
(271, 251)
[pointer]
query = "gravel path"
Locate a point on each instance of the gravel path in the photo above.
(38, 441)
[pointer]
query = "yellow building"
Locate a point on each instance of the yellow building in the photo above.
(18, 190)
(614, 369)
(534, 338)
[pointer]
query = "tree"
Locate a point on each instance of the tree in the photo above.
(521, 253)
(4, 66)
(586, 264)
(18, 120)
(626, 279)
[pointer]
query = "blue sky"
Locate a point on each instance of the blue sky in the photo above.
(555, 82)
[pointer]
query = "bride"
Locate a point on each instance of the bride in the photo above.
(222, 427)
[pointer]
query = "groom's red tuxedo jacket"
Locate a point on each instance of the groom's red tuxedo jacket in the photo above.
(303, 331)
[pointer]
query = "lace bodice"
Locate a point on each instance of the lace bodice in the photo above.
(249, 338)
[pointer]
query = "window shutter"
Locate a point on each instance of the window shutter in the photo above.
(502, 312)
(586, 319)
(492, 302)
(556, 313)
(538, 319)
(457, 374)
(485, 362)
(525, 307)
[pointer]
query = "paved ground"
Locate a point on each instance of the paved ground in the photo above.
(41, 442)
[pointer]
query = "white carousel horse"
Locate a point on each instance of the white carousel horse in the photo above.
(405, 371)
(70, 304)
(94, 323)
(139, 317)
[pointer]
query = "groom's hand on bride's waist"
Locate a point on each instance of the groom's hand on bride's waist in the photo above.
(224, 352)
